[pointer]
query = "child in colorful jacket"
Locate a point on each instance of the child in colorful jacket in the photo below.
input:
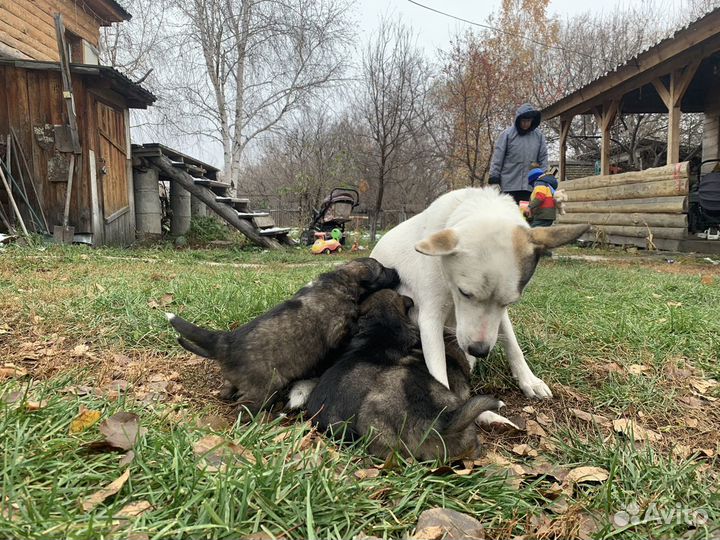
(542, 208)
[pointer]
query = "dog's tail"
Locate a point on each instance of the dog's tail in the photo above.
(193, 338)
(463, 416)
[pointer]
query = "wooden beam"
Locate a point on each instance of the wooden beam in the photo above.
(67, 83)
(605, 116)
(565, 124)
(662, 91)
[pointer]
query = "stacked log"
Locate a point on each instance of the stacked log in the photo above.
(632, 207)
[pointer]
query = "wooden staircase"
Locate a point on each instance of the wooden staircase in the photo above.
(201, 181)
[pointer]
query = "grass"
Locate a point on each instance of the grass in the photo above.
(576, 319)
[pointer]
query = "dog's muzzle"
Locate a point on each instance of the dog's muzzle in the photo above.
(479, 349)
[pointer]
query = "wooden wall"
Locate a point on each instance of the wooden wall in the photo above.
(27, 26)
(32, 99)
(632, 208)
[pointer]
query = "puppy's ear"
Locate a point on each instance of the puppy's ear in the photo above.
(552, 237)
(443, 242)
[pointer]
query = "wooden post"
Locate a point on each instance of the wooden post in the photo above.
(605, 117)
(67, 82)
(564, 131)
(680, 80)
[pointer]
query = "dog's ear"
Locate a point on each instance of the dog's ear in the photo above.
(443, 242)
(552, 237)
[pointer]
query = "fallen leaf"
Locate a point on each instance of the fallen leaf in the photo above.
(444, 523)
(674, 304)
(656, 295)
(111, 489)
(529, 409)
(559, 506)
(133, 510)
(690, 422)
(692, 402)
(707, 279)
(127, 458)
(153, 304)
(219, 423)
(166, 299)
(36, 405)
(12, 397)
(11, 370)
(682, 451)
(429, 533)
(100, 288)
(524, 450)
(703, 385)
(445, 470)
(362, 474)
(78, 390)
(544, 419)
(492, 458)
(85, 419)
(630, 428)
(589, 417)
(638, 369)
(121, 430)
(80, 350)
(219, 452)
(579, 475)
(533, 428)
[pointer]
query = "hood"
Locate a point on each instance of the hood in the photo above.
(548, 179)
(526, 110)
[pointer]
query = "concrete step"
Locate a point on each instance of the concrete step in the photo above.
(275, 231)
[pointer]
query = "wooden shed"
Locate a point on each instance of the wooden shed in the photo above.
(680, 74)
(35, 106)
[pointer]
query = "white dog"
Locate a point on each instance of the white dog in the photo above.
(463, 261)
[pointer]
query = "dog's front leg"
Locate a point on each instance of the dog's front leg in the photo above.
(433, 345)
(532, 386)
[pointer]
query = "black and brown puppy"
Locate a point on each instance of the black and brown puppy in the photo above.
(381, 387)
(261, 358)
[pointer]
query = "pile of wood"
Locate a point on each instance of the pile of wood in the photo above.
(645, 208)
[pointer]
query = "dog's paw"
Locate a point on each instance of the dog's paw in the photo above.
(300, 392)
(535, 388)
(492, 419)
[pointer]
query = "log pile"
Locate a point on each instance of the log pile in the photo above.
(646, 208)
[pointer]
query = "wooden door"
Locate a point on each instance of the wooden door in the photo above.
(112, 159)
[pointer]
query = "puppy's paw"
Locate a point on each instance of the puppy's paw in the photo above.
(300, 392)
(534, 387)
(492, 419)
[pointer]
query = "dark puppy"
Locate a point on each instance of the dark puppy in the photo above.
(381, 387)
(262, 357)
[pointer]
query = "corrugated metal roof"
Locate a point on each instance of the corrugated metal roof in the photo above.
(635, 60)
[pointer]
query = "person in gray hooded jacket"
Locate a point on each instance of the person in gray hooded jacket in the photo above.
(517, 150)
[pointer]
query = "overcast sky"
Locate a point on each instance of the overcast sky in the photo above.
(434, 30)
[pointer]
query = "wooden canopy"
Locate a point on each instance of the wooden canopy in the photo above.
(679, 74)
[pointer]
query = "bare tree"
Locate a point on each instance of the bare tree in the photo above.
(394, 81)
(248, 64)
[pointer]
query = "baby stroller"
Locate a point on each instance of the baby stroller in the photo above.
(704, 210)
(334, 213)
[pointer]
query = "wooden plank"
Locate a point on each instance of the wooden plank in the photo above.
(617, 218)
(663, 205)
(275, 231)
(263, 222)
(32, 51)
(659, 188)
(212, 184)
(678, 170)
(672, 233)
(77, 20)
(660, 243)
(67, 84)
(251, 215)
(565, 124)
(97, 220)
(33, 26)
(4, 102)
